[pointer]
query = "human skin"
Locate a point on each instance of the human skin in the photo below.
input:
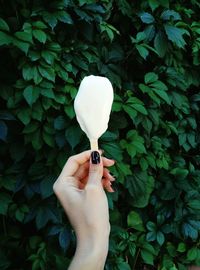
(80, 190)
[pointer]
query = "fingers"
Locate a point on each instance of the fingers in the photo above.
(107, 185)
(106, 174)
(107, 162)
(83, 170)
(74, 162)
(83, 176)
(95, 169)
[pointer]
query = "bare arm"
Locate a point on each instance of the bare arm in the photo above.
(79, 188)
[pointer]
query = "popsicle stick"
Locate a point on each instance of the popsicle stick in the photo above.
(94, 145)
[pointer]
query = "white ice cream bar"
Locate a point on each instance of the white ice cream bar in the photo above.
(92, 106)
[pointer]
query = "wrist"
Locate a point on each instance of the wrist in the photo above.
(91, 251)
(93, 242)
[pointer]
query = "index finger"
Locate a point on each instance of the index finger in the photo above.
(74, 162)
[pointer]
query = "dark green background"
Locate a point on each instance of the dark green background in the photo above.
(150, 52)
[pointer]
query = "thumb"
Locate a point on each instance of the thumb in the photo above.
(95, 169)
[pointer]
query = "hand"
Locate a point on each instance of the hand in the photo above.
(79, 188)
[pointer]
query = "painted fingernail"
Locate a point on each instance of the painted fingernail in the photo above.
(95, 157)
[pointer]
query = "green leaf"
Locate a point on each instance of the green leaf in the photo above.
(192, 254)
(153, 4)
(24, 36)
(48, 56)
(142, 51)
(160, 43)
(44, 215)
(151, 236)
(46, 186)
(64, 17)
(69, 110)
(151, 226)
(144, 164)
(60, 98)
(194, 204)
(130, 111)
(134, 220)
(140, 108)
(34, 55)
(146, 17)
(182, 138)
(181, 247)
(189, 231)
(159, 85)
(163, 95)
(160, 238)
(170, 14)
(73, 135)
(27, 72)
(179, 172)
(39, 25)
(23, 46)
(5, 39)
(112, 150)
(5, 200)
(36, 76)
(123, 266)
(37, 111)
(140, 186)
(31, 127)
(37, 140)
(60, 122)
(192, 139)
(150, 77)
(47, 73)
(124, 170)
(64, 239)
(47, 93)
(24, 115)
(175, 34)
(40, 35)
(3, 25)
(147, 257)
(31, 94)
(48, 138)
(109, 136)
(50, 19)
(132, 249)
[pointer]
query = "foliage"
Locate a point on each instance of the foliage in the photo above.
(150, 52)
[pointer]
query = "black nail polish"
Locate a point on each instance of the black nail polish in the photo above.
(95, 157)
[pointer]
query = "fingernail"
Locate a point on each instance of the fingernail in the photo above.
(95, 157)
(111, 190)
(114, 176)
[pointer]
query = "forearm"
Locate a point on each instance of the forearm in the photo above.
(91, 253)
(91, 261)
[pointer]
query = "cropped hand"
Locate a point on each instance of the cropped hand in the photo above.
(80, 190)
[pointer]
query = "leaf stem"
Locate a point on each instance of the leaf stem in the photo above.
(138, 252)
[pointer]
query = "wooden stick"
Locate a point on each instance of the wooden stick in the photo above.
(94, 145)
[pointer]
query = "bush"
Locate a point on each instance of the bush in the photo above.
(150, 52)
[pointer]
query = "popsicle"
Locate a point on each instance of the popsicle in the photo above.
(92, 106)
